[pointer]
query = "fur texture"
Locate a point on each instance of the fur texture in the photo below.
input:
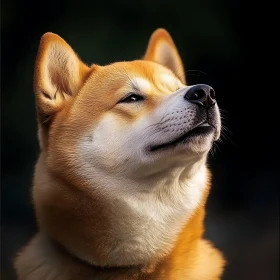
(115, 197)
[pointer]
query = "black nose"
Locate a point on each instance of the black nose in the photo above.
(202, 95)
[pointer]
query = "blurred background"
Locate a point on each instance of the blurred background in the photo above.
(222, 43)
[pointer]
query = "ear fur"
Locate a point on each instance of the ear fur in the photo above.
(59, 74)
(161, 49)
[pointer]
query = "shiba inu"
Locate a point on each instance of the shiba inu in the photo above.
(121, 182)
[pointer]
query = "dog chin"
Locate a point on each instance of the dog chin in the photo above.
(200, 144)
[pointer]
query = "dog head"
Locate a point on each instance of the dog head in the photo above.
(116, 132)
(134, 118)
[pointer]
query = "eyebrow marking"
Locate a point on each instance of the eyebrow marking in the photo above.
(170, 82)
(141, 84)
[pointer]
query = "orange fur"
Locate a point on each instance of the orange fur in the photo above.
(72, 215)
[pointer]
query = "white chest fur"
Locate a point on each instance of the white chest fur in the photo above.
(147, 224)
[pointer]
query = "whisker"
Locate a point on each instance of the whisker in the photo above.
(200, 72)
(224, 133)
(214, 149)
(226, 129)
(223, 111)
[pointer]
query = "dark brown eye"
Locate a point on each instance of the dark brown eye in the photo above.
(132, 98)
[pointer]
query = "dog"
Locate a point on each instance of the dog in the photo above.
(121, 182)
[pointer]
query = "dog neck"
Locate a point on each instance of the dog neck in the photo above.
(137, 245)
(116, 224)
(191, 258)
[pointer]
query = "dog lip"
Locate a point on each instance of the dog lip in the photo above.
(202, 129)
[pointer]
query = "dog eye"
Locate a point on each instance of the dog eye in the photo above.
(132, 98)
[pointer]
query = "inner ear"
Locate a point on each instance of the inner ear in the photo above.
(161, 49)
(59, 75)
(165, 54)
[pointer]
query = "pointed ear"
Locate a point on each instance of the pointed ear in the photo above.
(161, 49)
(59, 74)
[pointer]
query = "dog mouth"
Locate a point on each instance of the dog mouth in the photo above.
(203, 129)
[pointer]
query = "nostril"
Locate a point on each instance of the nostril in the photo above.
(202, 95)
(194, 96)
(212, 94)
(197, 94)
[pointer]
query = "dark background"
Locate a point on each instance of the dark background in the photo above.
(224, 41)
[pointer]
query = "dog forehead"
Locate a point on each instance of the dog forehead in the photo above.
(144, 76)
